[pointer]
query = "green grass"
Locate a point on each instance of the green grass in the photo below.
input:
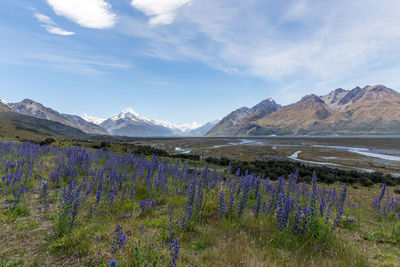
(32, 237)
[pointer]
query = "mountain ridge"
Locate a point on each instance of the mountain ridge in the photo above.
(228, 125)
(35, 109)
(367, 110)
(130, 123)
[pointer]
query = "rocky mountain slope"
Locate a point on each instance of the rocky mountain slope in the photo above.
(24, 127)
(32, 108)
(368, 110)
(229, 125)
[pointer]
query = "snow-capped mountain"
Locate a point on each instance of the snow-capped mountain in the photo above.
(2, 101)
(204, 129)
(131, 123)
(92, 119)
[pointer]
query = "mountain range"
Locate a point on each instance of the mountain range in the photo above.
(127, 123)
(369, 110)
(24, 127)
(228, 126)
(130, 123)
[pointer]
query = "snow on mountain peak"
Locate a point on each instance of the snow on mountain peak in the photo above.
(129, 111)
(189, 126)
(130, 115)
(92, 119)
(2, 101)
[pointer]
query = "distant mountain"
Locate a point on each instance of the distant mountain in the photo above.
(84, 125)
(335, 100)
(24, 127)
(368, 110)
(92, 119)
(32, 108)
(228, 126)
(131, 123)
(291, 119)
(3, 107)
(204, 129)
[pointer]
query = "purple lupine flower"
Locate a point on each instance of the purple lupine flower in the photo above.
(132, 193)
(144, 205)
(314, 194)
(378, 200)
(174, 253)
(199, 200)
(119, 239)
(99, 189)
(221, 203)
(113, 263)
(257, 205)
(245, 188)
(296, 224)
(340, 210)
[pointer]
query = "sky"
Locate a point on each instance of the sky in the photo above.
(192, 60)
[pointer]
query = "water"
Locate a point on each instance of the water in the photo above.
(295, 155)
(183, 150)
(365, 152)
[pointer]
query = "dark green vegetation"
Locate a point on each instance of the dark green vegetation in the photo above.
(270, 168)
(85, 207)
(274, 168)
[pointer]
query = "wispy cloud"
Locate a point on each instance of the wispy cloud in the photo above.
(163, 83)
(95, 14)
(75, 61)
(159, 11)
(316, 42)
(50, 25)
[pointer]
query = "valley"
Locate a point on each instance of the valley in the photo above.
(379, 153)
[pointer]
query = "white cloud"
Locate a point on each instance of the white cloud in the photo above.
(159, 11)
(50, 25)
(309, 44)
(56, 30)
(95, 14)
(43, 19)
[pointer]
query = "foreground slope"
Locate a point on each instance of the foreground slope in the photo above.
(79, 207)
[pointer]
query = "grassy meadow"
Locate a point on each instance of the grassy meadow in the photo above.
(74, 206)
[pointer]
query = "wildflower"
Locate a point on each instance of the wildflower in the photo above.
(257, 205)
(245, 187)
(119, 239)
(113, 263)
(221, 204)
(174, 253)
(340, 211)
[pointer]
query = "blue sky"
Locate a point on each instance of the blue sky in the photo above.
(192, 60)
